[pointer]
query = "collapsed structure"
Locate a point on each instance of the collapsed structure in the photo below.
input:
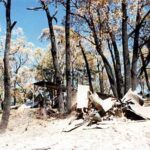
(130, 102)
(93, 109)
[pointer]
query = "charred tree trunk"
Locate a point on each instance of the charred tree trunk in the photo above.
(97, 43)
(111, 53)
(73, 75)
(100, 36)
(116, 59)
(117, 67)
(126, 58)
(135, 51)
(146, 61)
(145, 72)
(68, 57)
(101, 82)
(7, 83)
(110, 74)
(15, 84)
(105, 61)
(54, 56)
(14, 96)
(87, 67)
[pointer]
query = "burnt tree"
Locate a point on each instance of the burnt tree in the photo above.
(87, 67)
(126, 58)
(7, 83)
(54, 56)
(68, 56)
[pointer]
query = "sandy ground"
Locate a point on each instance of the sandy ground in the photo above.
(27, 133)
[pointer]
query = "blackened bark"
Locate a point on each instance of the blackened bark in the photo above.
(100, 36)
(105, 61)
(54, 56)
(14, 96)
(109, 73)
(87, 67)
(117, 67)
(126, 58)
(135, 51)
(111, 53)
(97, 42)
(101, 82)
(145, 63)
(7, 83)
(145, 72)
(68, 57)
(73, 75)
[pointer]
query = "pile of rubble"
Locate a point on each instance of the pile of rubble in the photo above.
(91, 109)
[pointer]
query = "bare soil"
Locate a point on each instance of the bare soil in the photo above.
(25, 132)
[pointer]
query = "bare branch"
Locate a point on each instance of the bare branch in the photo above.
(84, 37)
(53, 17)
(144, 17)
(55, 13)
(146, 41)
(145, 4)
(80, 16)
(34, 8)
(4, 2)
(139, 24)
(22, 89)
(12, 26)
(145, 64)
(21, 62)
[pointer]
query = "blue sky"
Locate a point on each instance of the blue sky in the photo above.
(32, 22)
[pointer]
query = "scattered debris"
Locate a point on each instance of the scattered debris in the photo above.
(97, 126)
(74, 125)
(133, 98)
(141, 111)
(95, 116)
(100, 104)
(133, 106)
(14, 107)
(82, 96)
(92, 110)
